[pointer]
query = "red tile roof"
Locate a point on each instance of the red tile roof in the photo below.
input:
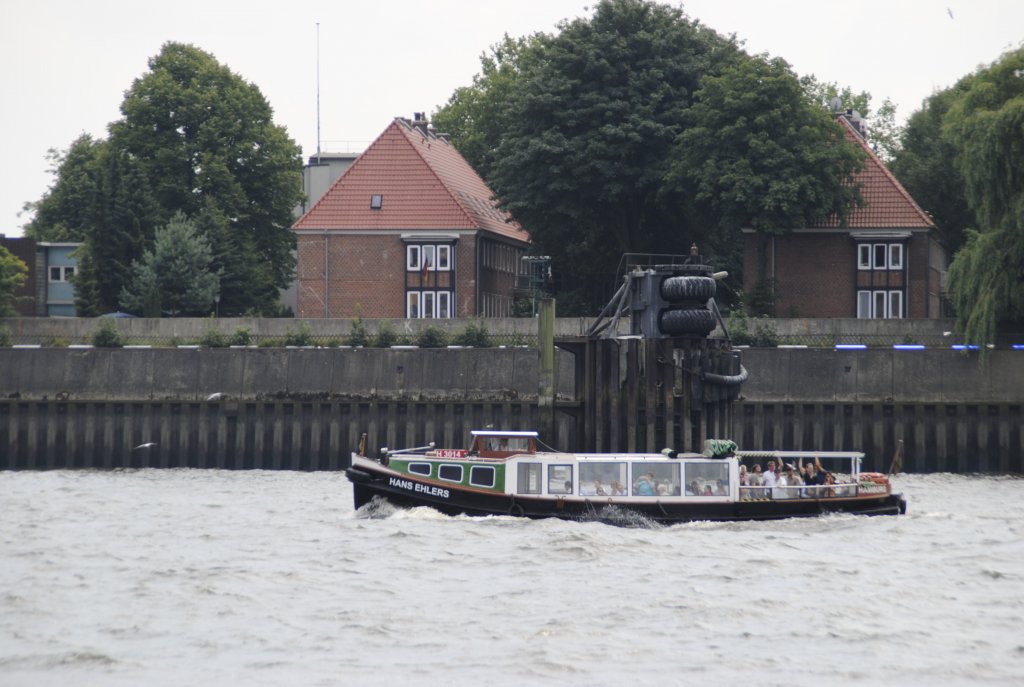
(425, 184)
(888, 205)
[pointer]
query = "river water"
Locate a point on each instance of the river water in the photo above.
(176, 577)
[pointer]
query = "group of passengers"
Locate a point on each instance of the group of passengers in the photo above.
(786, 481)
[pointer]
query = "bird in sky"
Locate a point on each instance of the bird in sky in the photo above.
(148, 444)
(950, 12)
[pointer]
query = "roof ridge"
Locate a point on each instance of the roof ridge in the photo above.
(873, 157)
(407, 131)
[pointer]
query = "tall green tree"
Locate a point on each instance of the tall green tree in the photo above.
(13, 273)
(66, 211)
(588, 138)
(925, 163)
(205, 136)
(176, 276)
(193, 138)
(986, 127)
(758, 154)
(476, 117)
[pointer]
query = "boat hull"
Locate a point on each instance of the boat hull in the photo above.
(402, 490)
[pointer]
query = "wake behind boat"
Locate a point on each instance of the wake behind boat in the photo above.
(504, 473)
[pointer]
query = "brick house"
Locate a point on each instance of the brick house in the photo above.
(887, 262)
(408, 231)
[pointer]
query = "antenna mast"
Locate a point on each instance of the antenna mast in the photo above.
(318, 92)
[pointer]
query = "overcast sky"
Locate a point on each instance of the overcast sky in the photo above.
(65, 64)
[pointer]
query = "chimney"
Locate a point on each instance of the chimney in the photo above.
(419, 121)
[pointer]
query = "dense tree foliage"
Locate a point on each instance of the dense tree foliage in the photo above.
(985, 125)
(925, 165)
(193, 138)
(176, 276)
(477, 116)
(758, 154)
(585, 143)
(12, 276)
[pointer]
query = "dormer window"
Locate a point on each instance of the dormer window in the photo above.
(376, 201)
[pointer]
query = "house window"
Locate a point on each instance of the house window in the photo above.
(864, 256)
(61, 273)
(880, 256)
(428, 304)
(428, 257)
(376, 201)
(895, 256)
(880, 304)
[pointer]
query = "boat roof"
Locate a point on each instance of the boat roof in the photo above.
(500, 433)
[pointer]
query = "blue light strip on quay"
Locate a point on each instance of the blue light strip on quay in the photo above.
(851, 347)
(908, 347)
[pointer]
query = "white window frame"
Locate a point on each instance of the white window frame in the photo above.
(444, 305)
(429, 300)
(879, 256)
(879, 304)
(444, 258)
(864, 304)
(63, 272)
(864, 256)
(412, 258)
(427, 252)
(895, 256)
(412, 305)
(895, 309)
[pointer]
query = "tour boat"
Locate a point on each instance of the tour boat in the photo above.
(504, 473)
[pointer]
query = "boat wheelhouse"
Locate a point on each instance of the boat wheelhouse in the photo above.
(504, 473)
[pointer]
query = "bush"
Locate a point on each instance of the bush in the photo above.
(241, 337)
(474, 335)
(431, 337)
(386, 336)
(5, 337)
(360, 335)
(106, 336)
(303, 336)
(213, 338)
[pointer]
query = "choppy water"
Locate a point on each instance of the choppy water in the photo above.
(174, 577)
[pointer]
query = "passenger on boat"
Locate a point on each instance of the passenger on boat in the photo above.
(814, 476)
(644, 486)
(743, 476)
(756, 478)
(618, 488)
(599, 488)
(792, 479)
(771, 479)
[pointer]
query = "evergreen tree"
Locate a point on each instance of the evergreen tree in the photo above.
(176, 274)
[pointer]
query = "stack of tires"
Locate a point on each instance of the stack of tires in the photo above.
(685, 303)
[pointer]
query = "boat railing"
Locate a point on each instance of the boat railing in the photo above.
(815, 491)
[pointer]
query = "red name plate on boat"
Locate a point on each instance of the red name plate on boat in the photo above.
(451, 453)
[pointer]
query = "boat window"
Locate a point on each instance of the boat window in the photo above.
(656, 479)
(559, 479)
(516, 444)
(481, 476)
(529, 478)
(450, 473)
(420, 468)
(707, 479)
(603, 479)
